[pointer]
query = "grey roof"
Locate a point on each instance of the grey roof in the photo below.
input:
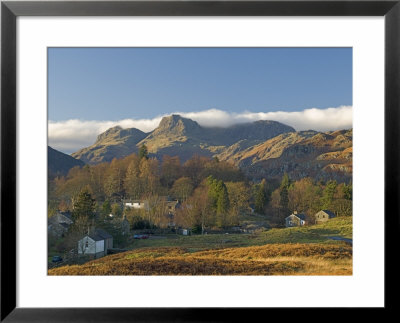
(330, 213)
(64, 225)
(301, 216)
(99, 234)
(67, 214)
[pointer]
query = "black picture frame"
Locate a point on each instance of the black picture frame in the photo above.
(10, 10)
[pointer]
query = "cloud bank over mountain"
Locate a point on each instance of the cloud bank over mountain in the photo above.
(71, 135)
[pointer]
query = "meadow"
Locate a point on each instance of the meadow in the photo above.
(289, 251)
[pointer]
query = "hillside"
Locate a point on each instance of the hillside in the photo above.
(300, 154)
(59, 163)
(113, 143)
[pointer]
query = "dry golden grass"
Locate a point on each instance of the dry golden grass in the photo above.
(271, 259)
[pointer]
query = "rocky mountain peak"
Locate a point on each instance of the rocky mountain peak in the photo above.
(108, 132)
(176, 124)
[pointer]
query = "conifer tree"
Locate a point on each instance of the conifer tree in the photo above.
(85, 205)
(261, 197)
(143, 152)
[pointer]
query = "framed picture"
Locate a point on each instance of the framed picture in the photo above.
(200, 151)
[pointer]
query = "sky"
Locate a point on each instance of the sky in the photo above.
(90, 89)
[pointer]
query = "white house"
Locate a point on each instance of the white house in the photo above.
(95, 243)
(295, 220)
(137, 204)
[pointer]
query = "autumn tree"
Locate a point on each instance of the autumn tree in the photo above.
(194, 167)
(342, 204)
(149, 176)
(239, 196)
(170, 170)
(114, 182)
(197, 212)
(132, 183)
(304, 196)
(182, 188)
(157, 211)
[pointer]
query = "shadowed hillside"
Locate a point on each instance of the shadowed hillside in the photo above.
(59, 163)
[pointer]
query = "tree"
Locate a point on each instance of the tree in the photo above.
(106, 209)
(170, 170)
(182, 188)
(239, 197)
(285, 183)
(116, 210)
(194, 168)
(348, 192)
(84, 206)
(114, 184)
(261, 197)
(222, 205)
(284, 194)
(149, 176)
(143, 152)
(219, 199)
(304, 196)
(197, 212)
(132, 182)
(328, 194)
(157, 211)
(284, 201)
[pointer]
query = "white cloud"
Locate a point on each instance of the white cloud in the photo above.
(72, 135)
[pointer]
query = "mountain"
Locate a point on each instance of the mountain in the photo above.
(300, 154)
(59, 163)
(113, 143)
(261, 149)
(176, 135)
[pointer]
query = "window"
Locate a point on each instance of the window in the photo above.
(87, 244)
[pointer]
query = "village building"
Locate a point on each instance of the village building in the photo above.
(323, 216)
(96, 243)
(59, 223)
(136, 204)
(295, 220)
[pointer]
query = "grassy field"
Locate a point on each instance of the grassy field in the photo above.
(340, 227)
(289, 251)
(273, 259)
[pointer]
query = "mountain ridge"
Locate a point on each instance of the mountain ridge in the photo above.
(176, 135)
(262, 148)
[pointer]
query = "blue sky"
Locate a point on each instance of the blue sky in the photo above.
(117, 83)
(93, 89)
